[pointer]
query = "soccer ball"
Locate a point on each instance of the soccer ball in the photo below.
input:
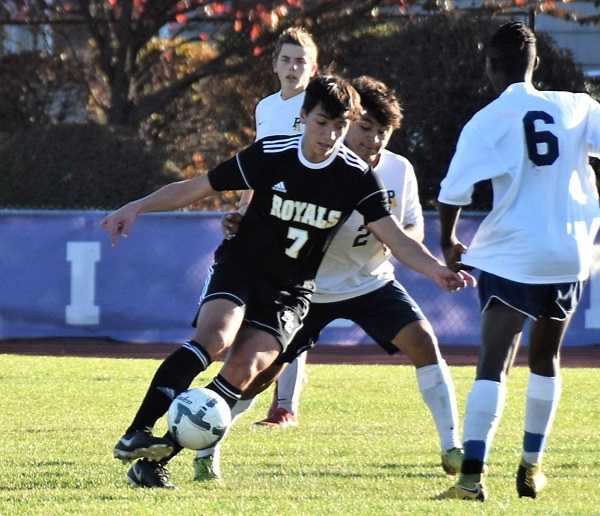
(198, 418)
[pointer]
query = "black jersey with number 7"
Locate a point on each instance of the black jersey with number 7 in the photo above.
(297, 205)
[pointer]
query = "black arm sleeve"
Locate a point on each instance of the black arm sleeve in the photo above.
(373, 202)
(228, 176)
(247, 170)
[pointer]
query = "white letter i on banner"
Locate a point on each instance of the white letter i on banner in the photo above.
(83, 257)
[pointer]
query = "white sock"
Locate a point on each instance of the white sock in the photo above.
(485, 405)
(437, 390)
(543, 395)
(290, 383)
(237, 410)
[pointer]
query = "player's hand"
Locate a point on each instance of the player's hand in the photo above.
(230, 224)
(119, 223)
(452, 281)
(453, 253)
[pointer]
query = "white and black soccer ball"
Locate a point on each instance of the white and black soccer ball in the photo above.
(198, 418)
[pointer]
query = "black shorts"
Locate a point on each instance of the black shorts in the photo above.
(275, 310)
(381, 314)
(551, 300)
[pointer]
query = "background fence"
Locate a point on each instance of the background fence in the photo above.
(60, 277)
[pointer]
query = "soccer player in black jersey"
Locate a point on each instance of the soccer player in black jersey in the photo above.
(259, 291)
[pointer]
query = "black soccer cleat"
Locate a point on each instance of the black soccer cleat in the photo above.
(141, 444)
(530, 480)
(146, 473)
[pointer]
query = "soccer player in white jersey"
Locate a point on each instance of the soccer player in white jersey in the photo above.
(356, 279)
(534, 249)
(294, 63)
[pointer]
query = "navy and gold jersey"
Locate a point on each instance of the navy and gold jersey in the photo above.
(297, 206)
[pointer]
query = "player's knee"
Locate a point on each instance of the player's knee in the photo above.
(544, 364)
(419, 343)
(215, 339)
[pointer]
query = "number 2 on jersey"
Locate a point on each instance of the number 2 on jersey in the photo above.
(362, 236)
(540, 156)
(299, 237)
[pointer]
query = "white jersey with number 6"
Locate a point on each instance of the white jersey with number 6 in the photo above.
(534, 146)
(277, 116)
(356, 263)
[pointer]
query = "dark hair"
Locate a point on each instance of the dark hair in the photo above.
(336, 96)
(512, 48)
(379, 101)
(296, 36)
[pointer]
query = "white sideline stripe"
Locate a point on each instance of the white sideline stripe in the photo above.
(237, 159)
(370, 195)
(201, 358)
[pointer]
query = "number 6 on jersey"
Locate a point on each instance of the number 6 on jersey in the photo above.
(299, 237)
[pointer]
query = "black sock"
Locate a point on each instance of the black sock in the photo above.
(471, 467)
(227, 391)
(173, 377)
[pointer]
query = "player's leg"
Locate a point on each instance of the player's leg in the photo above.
(485, 402)
(289, 388)
(253, 351)
(269, 328)
(283, 412)
(543, 395)
(207, 463)
(418, 341)
(217, 323)
(544, 387)
(394, 320)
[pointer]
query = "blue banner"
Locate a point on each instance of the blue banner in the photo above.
(60, 277)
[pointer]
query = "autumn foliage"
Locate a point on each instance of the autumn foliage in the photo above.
(185, 102)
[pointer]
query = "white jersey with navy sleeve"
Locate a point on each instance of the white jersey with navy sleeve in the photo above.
(356, 263)
(534, 146)
(277, 116)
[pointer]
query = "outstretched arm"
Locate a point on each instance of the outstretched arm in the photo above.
(169, 197)
(415, 231)
(452, 248)
(416, 256)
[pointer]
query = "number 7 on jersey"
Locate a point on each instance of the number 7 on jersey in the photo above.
(299, 237)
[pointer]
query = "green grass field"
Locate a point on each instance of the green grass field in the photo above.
(366, 445)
